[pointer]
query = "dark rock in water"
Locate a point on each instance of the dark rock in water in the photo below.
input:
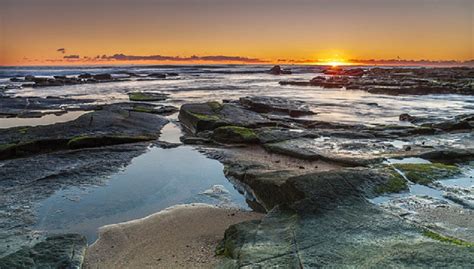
(157, 75)
(172, 74)
(60, 251)
(234, 134)
(211, 115)
(395, 81)
(85, 76)
(277, 70)
(295, 83)
(265, 104)
(36, 106)
(29, 78)
(462, 122)
(147, 96)
(449, 155)
(102, 77)
(406, 117)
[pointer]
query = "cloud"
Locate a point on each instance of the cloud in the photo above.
(62, 50)
(211, 58)
(71, 57)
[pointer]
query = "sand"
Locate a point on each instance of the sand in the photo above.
(183, 236)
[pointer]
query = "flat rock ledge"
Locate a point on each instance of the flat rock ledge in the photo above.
(109, 126)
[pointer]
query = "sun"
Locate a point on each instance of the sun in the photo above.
(333, 62)
(336, 63)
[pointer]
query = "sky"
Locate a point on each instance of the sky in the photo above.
(249, 31)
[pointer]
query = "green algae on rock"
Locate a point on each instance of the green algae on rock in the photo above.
(426, 173)
(447, 239)
(396, 183)
(147, 96)
(234, 134)
(200, 117)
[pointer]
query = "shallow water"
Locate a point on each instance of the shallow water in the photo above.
(463, 180)
(153, 181)
(44, 120)
(204, 83)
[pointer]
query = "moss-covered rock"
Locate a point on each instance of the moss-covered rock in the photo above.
(21, 149)
(234, 134)
(211, 115)
(426, 173)
(147, 96)
(396, 183)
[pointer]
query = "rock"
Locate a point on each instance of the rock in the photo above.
(310, 149)
(102, 77)
(275, 134)
(426, 173)
(461, 122)
(295, 83)
(111, 125)
(157, 75)
(60, 251)
(350, 231)
(147, 96)
(234, 134)
(406, 117)
(394, 81)
(36, 106)
(265, 104)
(211, 115)
(277, 70)
(85, 75)
(348, 236)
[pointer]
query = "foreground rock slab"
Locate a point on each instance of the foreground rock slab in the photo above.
(61, 251)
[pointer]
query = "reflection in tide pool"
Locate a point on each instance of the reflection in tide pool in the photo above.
(153, 181)
(44, 120)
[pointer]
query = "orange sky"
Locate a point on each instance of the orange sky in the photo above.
(31, 31)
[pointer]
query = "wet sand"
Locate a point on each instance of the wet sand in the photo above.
(182, 236)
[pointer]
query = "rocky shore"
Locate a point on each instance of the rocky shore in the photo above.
(323, 193)
(395, 81)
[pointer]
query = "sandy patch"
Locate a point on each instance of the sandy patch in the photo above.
(183, 236)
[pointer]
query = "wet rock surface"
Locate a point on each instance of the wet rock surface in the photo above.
(322, 194)
(62, 251)
(37, 107)
(264, 104)
(111, 125)
(211, 115)
(324, 219)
